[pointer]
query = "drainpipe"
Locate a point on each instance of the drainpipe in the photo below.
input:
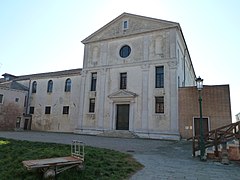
(184, 68)
(28, 97)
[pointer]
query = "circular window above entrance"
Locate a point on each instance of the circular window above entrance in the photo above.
(125, 51)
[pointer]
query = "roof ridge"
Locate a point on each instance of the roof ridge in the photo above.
(53, 73)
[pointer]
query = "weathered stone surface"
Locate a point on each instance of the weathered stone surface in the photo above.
(153, 43)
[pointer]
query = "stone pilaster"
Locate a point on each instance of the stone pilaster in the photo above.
(82, 99)
(101, 97)
(111, 115)
(145, 80)
(173, 96)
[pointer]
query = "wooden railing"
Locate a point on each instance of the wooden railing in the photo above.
(217, 136)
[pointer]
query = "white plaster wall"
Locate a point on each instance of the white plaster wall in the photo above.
(56, 121)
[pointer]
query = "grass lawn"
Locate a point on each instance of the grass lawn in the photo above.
(99, 163)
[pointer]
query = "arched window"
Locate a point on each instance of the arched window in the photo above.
(68, 85)
(34, 87)
(50, 86)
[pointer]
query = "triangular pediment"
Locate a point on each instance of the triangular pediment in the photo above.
(122, 94)
(136, 24)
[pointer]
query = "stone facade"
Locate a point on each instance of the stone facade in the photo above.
(153, 43)
(216, 108)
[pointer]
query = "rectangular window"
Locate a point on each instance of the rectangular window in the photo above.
(91, 105)
(1, 98)
(65, 109)
(159, 104)
(125, 25)
(18, 122)
(31, 110)
(48, 110)
(93, 81)
(123, 80)
(16, 99)
(159, 77)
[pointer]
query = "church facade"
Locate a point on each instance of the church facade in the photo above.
(132, 69)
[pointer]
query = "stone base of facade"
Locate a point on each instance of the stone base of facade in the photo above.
(129, 134)
(118, 133)
(158, 135)
(88, 131)
(107, 133)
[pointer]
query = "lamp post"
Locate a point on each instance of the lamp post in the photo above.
(199, 82)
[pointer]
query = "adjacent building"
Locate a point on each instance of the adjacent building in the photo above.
(13, 105)
(216, 109)
(52, 100)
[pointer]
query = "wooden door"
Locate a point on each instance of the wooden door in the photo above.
(122, 117)
(197, 126)
(26, 124)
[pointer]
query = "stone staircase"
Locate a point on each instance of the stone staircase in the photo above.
(118, 133)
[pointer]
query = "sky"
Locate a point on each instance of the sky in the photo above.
(39, 36)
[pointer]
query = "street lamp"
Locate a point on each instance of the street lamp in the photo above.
(199, 82)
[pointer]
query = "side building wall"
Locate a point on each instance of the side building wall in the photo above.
(216, 108)
(46, 108)
(186, 74)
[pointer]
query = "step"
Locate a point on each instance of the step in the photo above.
(118, 133)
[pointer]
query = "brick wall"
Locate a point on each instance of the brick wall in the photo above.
(215, 106)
